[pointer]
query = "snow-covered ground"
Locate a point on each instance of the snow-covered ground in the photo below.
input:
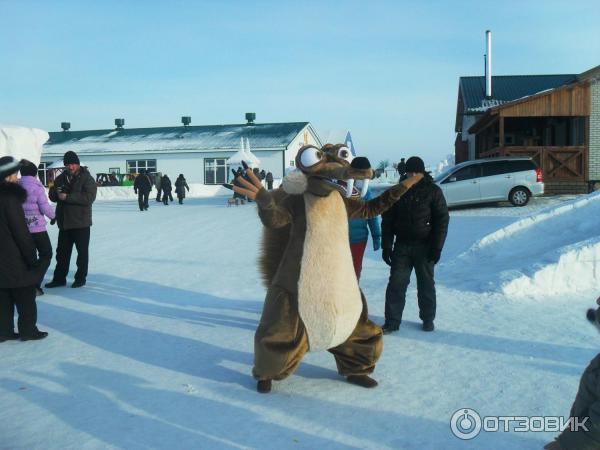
(156, 350)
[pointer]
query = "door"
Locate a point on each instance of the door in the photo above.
(495, 181)
(462, 186)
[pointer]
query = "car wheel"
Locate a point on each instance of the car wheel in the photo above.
(519, 196)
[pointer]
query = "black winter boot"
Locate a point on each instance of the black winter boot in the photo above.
(263, 386)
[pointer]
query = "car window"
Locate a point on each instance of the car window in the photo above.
(466, 173)
(495, 168)
(521, 165)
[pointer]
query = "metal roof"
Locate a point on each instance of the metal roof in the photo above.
(506, 88)
(264, 136)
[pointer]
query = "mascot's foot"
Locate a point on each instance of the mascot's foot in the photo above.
(263, 386)
(362, 380)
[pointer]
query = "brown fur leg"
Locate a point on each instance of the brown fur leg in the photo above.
(280, 341)
(359, 353)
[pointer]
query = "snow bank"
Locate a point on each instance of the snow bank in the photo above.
(535, 219)
(197, 190)
(577, 271)
(22, 142)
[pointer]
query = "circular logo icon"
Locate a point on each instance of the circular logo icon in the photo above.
(465, 424)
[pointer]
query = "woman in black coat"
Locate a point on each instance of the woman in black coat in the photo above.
(166, 188)
(19, 268)
(180, 187)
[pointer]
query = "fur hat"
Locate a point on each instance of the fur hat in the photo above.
(70, 158)
(8, 166)
(415, 164)
(28, 169)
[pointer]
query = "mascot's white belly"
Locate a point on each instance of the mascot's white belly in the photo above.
(329, 300)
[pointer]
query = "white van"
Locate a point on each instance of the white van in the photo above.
(515, 179)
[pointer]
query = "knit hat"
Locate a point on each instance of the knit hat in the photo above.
(28, 169)
(8, 166)
(415, 164)
(70, 158)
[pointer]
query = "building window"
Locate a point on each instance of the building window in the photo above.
(134, 166)
(43, 173)
(215, 171)
(292, 163)
(114, 170)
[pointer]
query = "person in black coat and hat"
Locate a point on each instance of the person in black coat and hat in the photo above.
(142, 187)
(180, 187)
(20, 270)
(166, 187)
(413, 233)
(74, 191)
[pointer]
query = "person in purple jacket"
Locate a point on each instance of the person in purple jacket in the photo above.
(36, 207)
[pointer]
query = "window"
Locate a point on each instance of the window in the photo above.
(466, 173)
(292, 163)
(114, 170)
(43, 173)
(134, 166)
(495, 168)
(521, 166)
(215, 171)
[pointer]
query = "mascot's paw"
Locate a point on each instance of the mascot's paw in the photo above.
(263, 386)
(362, 380)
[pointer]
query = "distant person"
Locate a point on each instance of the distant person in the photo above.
(401, 168)
(413, 234)
(158, 185)
(74, 191)
(166, 188)
(180, 187)
(269, 179)
(359, 234)
(142, 187)
(20, 269)
(36, 207)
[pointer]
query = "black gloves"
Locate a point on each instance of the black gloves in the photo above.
(52, 221)
(386, 255)
(434, 255)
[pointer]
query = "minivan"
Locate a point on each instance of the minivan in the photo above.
(515, 179)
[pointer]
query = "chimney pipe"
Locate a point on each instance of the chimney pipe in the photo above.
(119, 123)
(65, 126)
(488, 64)
(186, 120)
(250, 117)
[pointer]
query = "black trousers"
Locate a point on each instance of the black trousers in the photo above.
(80, 237)
(167, 196)
(143, 200)
(405, 258)
(24, 299)
(158, 197)
(44, 249)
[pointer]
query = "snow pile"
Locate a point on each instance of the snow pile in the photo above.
(442, 165)
(197, 190)
(22, 142)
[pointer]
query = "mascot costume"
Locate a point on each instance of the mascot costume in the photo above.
(313, 300)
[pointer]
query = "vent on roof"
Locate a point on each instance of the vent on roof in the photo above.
(186, 120)
(119, 123)
(250, 117)
(65, 126)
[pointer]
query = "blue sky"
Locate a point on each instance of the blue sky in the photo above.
(386, 70)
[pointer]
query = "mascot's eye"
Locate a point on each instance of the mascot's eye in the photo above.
(344, 153)
(311, 156)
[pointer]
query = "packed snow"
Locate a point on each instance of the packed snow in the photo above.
(156, 350)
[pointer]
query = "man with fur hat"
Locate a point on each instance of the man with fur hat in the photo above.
(413, 235)
(74, 191)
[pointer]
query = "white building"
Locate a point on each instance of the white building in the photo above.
(199, 152)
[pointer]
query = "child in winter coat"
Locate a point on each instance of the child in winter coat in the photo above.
(36, 207)
(359, 235)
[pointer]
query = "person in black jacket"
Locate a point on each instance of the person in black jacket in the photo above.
(180, 187)
(413, 235)
(142, 187)
(74, 191)
(20, 269)
(166, 187)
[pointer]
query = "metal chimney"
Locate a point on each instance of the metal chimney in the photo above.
(488, 64)
(119, 123)
(65, 126)
(250, 117)
(186, 120)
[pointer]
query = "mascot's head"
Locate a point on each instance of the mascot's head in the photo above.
(321, 171)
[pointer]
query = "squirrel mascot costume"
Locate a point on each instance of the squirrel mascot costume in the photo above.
(313, 300)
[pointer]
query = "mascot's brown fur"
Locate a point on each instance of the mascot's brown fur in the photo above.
(313, 300)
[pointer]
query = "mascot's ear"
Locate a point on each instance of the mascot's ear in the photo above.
(296, 182)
